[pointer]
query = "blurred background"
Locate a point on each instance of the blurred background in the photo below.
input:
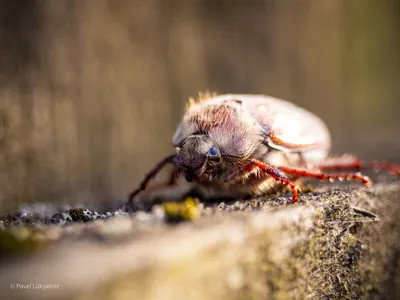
(91, 91)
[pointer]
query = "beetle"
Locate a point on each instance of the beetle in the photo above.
(251, 144)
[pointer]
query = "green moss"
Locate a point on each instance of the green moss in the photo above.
(78, 215)
(20, 240)
(82, 215)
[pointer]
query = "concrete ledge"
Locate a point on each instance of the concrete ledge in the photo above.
(336, 244)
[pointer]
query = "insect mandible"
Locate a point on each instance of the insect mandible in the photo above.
(250, 144)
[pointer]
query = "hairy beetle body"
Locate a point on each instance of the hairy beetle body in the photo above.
(250, 144)
(251, 126)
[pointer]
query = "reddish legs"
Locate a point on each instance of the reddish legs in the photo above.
(143, 185)
(162, 185)
(359, 165)
(321, 176)
(274, 173)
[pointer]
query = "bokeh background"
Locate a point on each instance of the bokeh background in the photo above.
(91, 91)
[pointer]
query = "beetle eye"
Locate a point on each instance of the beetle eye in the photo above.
(213, 152)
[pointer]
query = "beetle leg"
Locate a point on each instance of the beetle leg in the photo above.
(356, 164)
(152, 174)
(169, 182)
(275, 174)
(322, 176)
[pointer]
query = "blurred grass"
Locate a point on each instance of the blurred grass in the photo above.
(92, 91)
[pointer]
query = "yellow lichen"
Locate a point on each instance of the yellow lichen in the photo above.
(178, 211)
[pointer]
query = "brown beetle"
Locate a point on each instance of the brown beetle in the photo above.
(249, 144)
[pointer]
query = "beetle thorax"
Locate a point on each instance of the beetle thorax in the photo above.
(228, 126)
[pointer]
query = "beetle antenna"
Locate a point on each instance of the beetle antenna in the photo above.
(143, 185)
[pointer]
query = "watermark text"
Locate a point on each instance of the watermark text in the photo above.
(34, 286)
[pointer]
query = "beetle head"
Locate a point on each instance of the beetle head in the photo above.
(198, 156)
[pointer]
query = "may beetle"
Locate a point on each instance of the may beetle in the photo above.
(250, 144)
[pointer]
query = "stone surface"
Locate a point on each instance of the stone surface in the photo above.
(336, 244)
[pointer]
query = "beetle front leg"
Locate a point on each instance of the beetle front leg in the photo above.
(173, 176)
(275, 174)
(151, 175)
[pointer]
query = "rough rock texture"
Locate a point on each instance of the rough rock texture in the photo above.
(338, 244)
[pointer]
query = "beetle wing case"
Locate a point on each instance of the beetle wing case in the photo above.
(290, 128)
